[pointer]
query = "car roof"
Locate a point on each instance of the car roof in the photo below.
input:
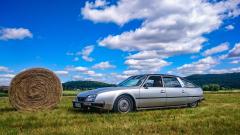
(164, 75)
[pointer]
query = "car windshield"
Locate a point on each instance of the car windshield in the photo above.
(132, 81)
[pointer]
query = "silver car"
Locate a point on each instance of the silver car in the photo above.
(138, 92)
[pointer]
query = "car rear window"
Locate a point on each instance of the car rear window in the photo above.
(171, 82)
(188, 84)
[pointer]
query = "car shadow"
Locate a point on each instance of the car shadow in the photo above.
(166, 108)
(89, 111)
(99, 111)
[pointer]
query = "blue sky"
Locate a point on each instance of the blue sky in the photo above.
(111, 40)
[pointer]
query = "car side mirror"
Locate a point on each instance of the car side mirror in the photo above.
(146, 85)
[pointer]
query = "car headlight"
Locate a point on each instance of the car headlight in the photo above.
(91, 98)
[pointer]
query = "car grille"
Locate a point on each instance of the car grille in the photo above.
(81, 98)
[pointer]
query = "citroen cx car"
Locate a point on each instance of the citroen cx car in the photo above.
(148, 91)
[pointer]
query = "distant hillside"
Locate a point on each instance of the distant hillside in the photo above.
(85, 85)
(228, 80)
(4, 89)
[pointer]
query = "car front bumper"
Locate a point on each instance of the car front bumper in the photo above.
(83, 104)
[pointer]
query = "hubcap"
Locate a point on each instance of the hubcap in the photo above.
(123, 105)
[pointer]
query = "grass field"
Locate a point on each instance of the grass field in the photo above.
(3, 94)
(218, 114)
(65, 93)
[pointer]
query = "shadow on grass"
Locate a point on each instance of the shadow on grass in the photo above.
(99, 111)
(7, 109)
(88, 111)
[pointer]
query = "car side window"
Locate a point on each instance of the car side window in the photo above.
(188, 84)
(154, 81)
(171, 82)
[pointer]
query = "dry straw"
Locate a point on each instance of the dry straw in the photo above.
(35, 89)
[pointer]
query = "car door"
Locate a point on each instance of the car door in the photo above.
(190, 90)
(175, 94)
(152, 93)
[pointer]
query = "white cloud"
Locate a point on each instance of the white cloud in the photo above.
(145, 62)
(235, 62)
(93, 73)
(220, 48)
(7, 75)
(84, 70)
(170, 27)
(15, 33)
(152, 65)
(5, 79)
(85, 52)
(200, 67)
(81, 78)
(113, 14)
(221, 71)
(77, 78)
(92, 76)
(77, 69)
(112, 78)
(228, 8)
(62, 72)
(235, 52)
(146, 55)
(103, 65)
(229, 27)
(4, 69)
(116, 78)
(131, 72)
(100, 3)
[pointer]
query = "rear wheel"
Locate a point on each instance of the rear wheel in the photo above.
(123, 104)
(193, 105)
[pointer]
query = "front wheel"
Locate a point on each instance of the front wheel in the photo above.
(123, 104)
(193, 105)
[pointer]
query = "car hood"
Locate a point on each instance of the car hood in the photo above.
(101, 90)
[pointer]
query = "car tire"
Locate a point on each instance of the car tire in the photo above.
(123, 104)
(84, 108)
(193, 104)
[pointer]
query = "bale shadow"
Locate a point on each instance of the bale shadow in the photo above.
(7, 109)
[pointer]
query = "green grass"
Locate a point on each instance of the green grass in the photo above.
(219, 114)
(2, 94)
(70, 92)
(75, 92)
(65, 93)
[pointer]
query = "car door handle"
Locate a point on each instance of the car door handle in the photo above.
(162, 91)
(183, 91)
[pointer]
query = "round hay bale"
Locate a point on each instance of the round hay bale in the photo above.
(35, 89)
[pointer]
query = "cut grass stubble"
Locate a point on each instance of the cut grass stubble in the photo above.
(218, 114)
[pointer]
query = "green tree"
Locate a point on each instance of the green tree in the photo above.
(205, 87)
(211, 87)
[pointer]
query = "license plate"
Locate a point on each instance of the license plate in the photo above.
(78, 105)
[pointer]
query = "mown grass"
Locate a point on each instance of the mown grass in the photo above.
(2, 94)
(71, 92)
(218, 114)
(65, 93)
